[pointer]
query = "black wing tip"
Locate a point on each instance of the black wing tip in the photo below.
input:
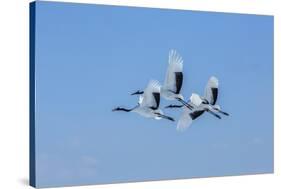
(179, 80)
(156, 96)
(214, 94)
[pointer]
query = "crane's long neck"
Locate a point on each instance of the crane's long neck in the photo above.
(122, 109)
(174, 106)
(125, 109)
(139, 92)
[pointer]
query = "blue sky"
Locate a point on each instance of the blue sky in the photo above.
(89, 58)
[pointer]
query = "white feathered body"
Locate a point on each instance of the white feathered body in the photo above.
(147, 112)
(147, 100)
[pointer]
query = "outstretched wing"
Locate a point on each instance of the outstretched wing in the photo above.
(211, 90)
(151, 95)
(195, 99)
(174, 75)
(185, 120)
(187, 117)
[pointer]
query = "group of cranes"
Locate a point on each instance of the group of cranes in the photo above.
(149, 98)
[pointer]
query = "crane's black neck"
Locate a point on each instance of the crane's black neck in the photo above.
(174, 106)
(122, 109)
(139, 92)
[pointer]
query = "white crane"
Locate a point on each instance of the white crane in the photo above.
(148, 105)
(200, 105)
(173, 81)
(211, 95)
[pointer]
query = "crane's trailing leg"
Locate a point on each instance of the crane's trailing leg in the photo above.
(165, 117)
(214, 114)
(222, 112)
(185, 103)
